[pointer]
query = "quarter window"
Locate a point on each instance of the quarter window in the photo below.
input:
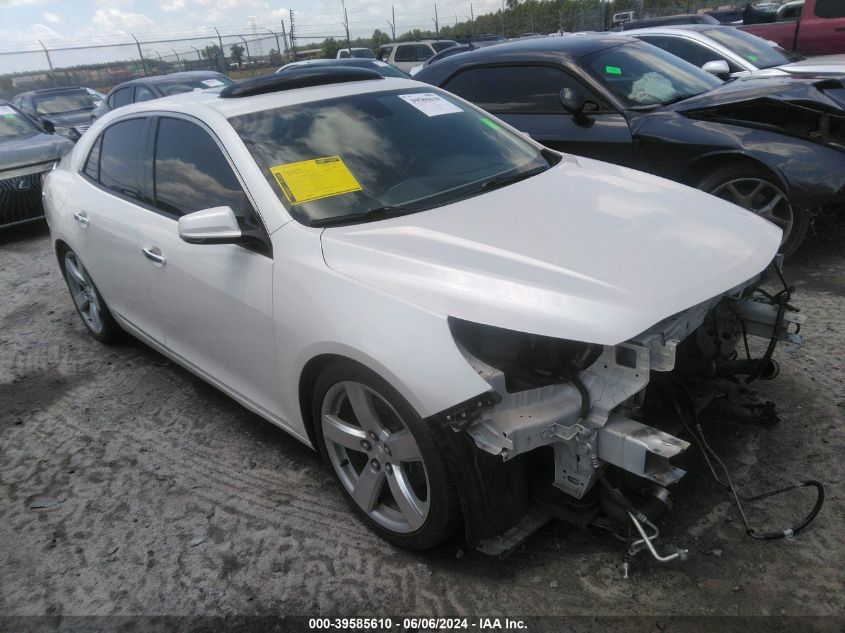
(92, 165)
(192, 174)
(830, 8)
(406, 53)
(123, 151)
(121, 98)
(527, 90)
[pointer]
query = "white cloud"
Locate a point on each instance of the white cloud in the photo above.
(113, 19)
(52, 18)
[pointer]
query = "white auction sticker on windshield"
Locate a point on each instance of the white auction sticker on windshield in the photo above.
(431, 104)
(212, 83)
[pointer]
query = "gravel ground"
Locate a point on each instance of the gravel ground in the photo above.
(159, 495)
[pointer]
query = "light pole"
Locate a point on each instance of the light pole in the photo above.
(346, 26)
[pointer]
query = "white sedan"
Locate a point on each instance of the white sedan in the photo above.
(435, 302)
(726, 51)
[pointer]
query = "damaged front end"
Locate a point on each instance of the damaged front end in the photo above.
(562, 418)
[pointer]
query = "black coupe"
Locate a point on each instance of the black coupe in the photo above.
(773, 146)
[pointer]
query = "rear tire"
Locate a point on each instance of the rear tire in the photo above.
(89, 304)
(384, 457)
(755, 189)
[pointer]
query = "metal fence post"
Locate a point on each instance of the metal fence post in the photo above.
(140, 54)
(225, 68)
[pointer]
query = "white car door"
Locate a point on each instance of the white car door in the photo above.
(108, 206)
(215, 300)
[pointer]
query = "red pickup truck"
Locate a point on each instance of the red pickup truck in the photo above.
(818, 30)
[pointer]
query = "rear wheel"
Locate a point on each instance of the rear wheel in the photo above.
(89, 304)
(384, 457)
(754, 189)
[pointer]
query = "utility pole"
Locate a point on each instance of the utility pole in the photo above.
(502, 15)
(346, 27)
(292, 35)
(140, 54)
(532, 22)
(471, 22)
(436, 22)
(222, 51)
(284, 53)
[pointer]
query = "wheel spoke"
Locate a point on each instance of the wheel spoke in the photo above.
(73, 270)
(412, 509)
(737, 196)
(363, 408)
(82, 300)
(368, 488)
(768, 211)
(94, 316)
(342, 433)
(403, 447)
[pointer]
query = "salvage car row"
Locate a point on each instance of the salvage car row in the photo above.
(463, 319)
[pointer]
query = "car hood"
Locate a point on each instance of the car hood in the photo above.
(765, 91)
(825, 65)
(30, 150)
(585, 251)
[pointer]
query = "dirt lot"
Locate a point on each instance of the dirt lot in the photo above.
(165, 497)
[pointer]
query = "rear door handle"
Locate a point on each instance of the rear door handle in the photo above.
(81, 217)
(154, 254)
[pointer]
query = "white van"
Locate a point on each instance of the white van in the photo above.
(406, 55)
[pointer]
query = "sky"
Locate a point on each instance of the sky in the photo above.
(24, 22)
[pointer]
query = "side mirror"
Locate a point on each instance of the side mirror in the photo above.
(718, 67)
(576, 103)
(573, 100)
(48, 126)
(217, 225)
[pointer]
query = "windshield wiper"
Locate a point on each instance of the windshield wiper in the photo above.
(503, 180)
(370, 215)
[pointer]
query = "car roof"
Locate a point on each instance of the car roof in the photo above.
(678, 29)
(46, 91)
(571, 46)
(429, 41)
(209, 101)
(163, 79)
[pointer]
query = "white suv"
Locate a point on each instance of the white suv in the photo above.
(422, 321)
(406, 55)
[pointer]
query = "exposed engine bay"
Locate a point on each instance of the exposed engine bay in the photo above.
(567, 421)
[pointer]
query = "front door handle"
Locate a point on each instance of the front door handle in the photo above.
(81, 217)
(154, 254)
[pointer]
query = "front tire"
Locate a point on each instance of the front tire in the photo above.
(384, 457)
(755, 189)
(89, 303)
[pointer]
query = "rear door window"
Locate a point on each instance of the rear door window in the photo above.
(406, 53)
(143, 94)
(830, 8)
(694, 52)
(123, 159)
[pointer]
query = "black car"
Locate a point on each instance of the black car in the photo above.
(773, 146)
(383, 68)
(65, 111)
(159, 86)
(26, 153)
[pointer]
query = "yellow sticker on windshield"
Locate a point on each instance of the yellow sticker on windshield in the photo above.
(314, 179)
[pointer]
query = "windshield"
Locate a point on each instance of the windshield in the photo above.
(752, 48)
(65, 102)
(179, 86)
(442, 46)
(641, 74)
(14, 125)
(415, 149)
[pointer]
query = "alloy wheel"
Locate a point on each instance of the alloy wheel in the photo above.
(762, 198)
(375, 456)
(83, 292)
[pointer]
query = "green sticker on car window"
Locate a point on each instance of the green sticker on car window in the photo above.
(490, 123)
(753, 58)
(613, 70)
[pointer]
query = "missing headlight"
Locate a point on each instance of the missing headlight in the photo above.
(527, 360)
